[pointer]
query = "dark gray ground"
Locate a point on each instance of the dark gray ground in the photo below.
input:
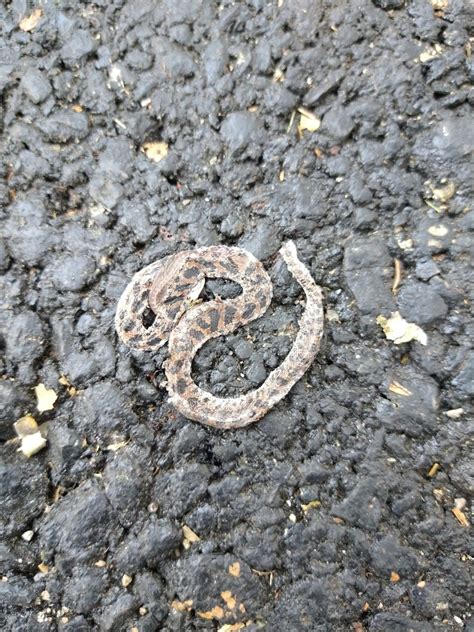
(83, 208)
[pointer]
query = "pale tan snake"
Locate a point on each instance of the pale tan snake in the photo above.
(167, 291)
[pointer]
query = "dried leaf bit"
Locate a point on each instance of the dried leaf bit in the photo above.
(399, 330)
(29, 22)
(46, 398)
(308, 121)
(156, 150)
(31, 439)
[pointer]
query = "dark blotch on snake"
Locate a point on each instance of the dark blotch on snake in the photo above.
(181, 386)
(214, 320)
(230, 266)
(182, 287)
(178, 363)
(136, 304)
(202, 323)
(229, 314)
(191, 273)
(173, 312)
(154, 341)
(135, 339)
(128, 325)
(262, 298)
(250, 269)
(249, 310)
(196, 334)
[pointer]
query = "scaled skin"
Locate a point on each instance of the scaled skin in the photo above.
(168, 287)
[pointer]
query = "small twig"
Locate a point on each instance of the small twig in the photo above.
(435, 208)
(307, 113)
(397, 275)
(290, 124)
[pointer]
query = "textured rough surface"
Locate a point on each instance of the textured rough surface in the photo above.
(335, 511)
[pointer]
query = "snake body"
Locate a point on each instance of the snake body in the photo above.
(159, 305)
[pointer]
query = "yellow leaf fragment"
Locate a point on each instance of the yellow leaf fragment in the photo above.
(27, 536)
(455, 413)
(278, 75)
(430, 53)
(182, 606)
(126, 580)
(399, 389)
(156, 150)
(43, 568)
(113, 447)
(313, 504)
(443, 194)
(460, 503)
(46, 398)
(460, 517)
(308, 121)
(231, 627)
(216, 613)
(189, 536)
(399, 330)
(234, 569)
(394, 577)
(29, 22)
(438, 494)
(439, 5)
(405, 244)
(32, 443)
(25, 426)
(438, 230)
(230, 601)
(332, 316)
(100, 564)
(45, 596)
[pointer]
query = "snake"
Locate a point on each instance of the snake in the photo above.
(161, 305)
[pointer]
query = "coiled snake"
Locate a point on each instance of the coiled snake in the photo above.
(159, 305)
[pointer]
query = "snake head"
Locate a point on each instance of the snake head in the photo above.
(174, 290)
(179, 280)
